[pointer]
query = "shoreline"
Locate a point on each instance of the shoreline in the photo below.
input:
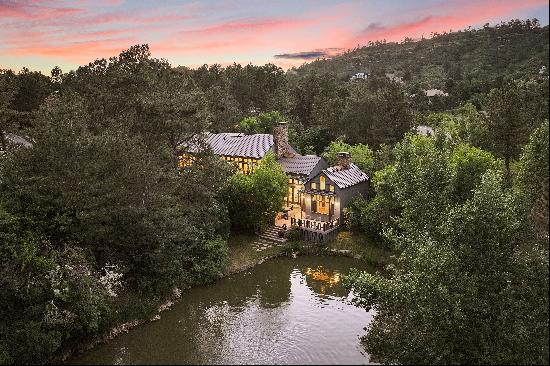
(292, 249)
(172, 299)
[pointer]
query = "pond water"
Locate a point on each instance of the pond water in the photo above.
(284, 311)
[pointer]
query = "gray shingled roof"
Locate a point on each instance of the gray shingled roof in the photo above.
(299, 164)
(239, 144)
(15, 140)
(345, 178)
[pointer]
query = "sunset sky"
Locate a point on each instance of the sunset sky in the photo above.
(41, 34)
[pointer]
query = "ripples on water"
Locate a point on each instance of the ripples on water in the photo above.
(282, 312)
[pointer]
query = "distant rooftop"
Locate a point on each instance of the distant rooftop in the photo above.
(425, 130)
(434, 92)
(16, 140)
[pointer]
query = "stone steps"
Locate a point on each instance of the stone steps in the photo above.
(268, 239)
(272, 234)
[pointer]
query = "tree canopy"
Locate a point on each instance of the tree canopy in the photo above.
(253, 200)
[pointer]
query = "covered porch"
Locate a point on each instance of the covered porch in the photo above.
(316, 212)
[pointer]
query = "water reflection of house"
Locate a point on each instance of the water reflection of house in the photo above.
(317, 193)
(323, 281)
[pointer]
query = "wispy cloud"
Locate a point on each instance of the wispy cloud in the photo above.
(24, 10)
(310, 55)
(248, 25)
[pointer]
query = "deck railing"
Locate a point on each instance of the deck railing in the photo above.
(314, 225)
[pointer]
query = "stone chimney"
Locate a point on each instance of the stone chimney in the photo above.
(280, 141)
(344, 159)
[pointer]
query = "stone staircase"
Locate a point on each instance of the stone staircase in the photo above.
(269, 238)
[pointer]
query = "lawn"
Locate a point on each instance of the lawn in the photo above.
(243, 255)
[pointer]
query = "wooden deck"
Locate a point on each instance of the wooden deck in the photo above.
(313, 230)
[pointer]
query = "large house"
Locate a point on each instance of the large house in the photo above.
(246, 151)
(317, 193)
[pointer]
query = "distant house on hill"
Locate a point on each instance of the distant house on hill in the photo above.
(436, 92)
(360, 76)
(395, 78)
(424, 130)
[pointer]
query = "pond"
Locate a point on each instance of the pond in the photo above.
(284, 311)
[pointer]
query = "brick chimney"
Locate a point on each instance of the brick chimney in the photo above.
(280, 141)
(344, 159)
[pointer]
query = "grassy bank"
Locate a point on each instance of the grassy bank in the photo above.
(346, 243)
(242, 254)
(361, 247)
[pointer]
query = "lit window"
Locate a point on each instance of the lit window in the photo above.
(322, 182)
(313, 185)
(186, 160)
(331, 187)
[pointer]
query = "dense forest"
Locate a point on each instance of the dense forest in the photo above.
(98, 224)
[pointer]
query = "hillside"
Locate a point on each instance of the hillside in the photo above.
(468, 61)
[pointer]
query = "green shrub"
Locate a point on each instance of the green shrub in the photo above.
(253, 200)
(294, 234)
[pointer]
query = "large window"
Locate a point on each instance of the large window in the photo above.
(321, 204)
(294, 187)
(322, 182)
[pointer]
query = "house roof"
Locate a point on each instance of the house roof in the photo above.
(15, 140)
(425, 130)
(239, 144)
(345, 178)
(299, 164)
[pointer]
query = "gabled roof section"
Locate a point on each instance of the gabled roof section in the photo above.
(345, 178)
(299, 164)
(238, 144)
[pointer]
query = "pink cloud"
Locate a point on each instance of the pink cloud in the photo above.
(254, 35)
(250, 25)
(25, 11)
(79, 52)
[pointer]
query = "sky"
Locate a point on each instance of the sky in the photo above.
(42, 34)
